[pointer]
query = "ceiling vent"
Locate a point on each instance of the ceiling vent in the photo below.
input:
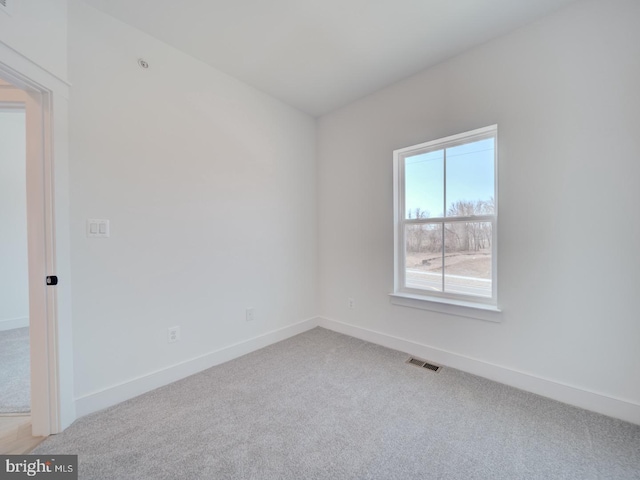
(423, 364)
(6, 6)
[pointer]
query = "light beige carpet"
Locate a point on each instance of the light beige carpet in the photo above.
(326, 406)
(15, 375)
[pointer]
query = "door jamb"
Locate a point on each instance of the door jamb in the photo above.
(52, 404)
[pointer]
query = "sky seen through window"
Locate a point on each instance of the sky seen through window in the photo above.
(469, 177)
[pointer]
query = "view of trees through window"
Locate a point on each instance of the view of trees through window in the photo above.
(451, 250)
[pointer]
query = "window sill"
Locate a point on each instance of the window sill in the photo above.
(459, 308)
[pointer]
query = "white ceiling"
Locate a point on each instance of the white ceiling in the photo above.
(318, 55)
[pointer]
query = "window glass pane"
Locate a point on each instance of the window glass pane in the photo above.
(424, 185)
(470, 179)
(467, 258)
(423, 257)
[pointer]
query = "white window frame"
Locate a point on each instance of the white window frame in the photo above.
(446, 302)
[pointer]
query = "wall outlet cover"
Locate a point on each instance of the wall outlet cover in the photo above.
(173, 334)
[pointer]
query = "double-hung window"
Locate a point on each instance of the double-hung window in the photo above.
(445, 199)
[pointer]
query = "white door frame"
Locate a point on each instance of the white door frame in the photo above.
(52, 402)
(41, 252)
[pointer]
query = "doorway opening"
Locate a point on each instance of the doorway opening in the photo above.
(28, 85)
(15, 373)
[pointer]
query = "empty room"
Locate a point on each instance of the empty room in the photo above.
(359, 239)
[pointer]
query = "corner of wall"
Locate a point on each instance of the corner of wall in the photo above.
(596, 402)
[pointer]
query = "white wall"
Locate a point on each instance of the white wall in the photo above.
(210, 189)
(564, 92)
(38, 30)
(14, 286)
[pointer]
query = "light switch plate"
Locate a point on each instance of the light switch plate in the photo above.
(97, 228)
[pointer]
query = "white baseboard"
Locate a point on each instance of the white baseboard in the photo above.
(11, 323)
(576, 396)
(115, 394)
(579, 397)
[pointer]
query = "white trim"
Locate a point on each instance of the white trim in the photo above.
(597, 402)
(450, 141)
(460, 308)
(115, 394)
(13, 323)
(52, 406)
(32, 70)
(401, 291)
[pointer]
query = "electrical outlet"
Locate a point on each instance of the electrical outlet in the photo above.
(250, 315)
(173, 334)
(351, 302)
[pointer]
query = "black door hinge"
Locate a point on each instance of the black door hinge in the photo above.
(52, 280)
